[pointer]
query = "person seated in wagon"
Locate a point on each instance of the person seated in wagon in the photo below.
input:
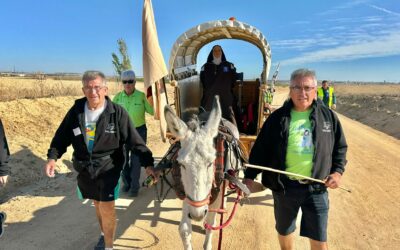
(218, 77)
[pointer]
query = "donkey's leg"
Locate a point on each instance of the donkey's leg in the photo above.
(210, 219)
(185, 228)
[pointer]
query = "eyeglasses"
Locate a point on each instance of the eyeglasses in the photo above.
(95, 88)
(299, 89)
(129, 82)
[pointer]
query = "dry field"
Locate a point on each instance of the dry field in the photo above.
(367, 89)
(12, 88)
(377, 106)
(44, 213)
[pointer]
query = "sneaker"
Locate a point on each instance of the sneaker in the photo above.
(3, 217)
(101, 245)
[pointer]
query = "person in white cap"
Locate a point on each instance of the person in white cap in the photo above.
(136, 104)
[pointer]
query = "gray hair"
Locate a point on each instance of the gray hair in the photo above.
(93, 74)
(303, 73)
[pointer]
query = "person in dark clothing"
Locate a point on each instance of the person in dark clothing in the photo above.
(218, 77)
(4, 169)
(98, 130)
(303, 137)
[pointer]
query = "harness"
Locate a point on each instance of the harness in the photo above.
(224, 138)
(218, 174)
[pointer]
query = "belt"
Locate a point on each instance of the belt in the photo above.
(304, 181)
(296, 182)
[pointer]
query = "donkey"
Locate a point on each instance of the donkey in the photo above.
(196, 157)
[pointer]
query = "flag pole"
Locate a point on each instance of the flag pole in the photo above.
(292, 174)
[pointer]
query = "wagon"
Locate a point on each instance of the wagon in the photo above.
(250, 94)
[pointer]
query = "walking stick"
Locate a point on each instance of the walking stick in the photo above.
(289, 173)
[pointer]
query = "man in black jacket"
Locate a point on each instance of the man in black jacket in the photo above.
(98, 129)
(4, 169)
(218, 77)
(303, 137)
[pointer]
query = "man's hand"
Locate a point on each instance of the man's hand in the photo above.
(3, 180)
(333, 180)
(253, 186)
(49, 168)
(333, 106)
(150, 171)
(249, 183)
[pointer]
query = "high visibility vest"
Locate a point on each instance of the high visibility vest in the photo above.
(268, 97)
(321, 95)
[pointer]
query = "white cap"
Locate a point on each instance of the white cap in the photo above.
(128, 75)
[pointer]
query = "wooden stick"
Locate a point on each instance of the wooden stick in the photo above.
(292, 174)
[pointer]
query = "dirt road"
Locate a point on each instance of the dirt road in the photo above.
(47, 214)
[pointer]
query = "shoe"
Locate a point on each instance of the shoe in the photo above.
(133, 193)
(101, 245)
(3, 217)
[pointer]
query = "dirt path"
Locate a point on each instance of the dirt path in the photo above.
(47, 214)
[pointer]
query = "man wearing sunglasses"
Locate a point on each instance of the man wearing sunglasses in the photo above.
(136, 104)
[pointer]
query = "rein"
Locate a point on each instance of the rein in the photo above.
(221, 211)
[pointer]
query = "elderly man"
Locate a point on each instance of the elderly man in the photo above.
(303, 137)
(98, 129)
(136, 104)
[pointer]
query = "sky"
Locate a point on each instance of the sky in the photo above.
(341, 40)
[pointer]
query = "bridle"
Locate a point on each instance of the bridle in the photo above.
(190, 201)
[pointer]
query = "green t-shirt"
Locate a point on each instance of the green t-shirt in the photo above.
(136, 104)
(300, 150)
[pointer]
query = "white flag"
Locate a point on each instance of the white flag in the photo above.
(154, 68)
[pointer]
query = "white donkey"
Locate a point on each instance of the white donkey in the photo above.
(196, 157)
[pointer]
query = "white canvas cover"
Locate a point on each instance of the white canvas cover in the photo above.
(183, 58)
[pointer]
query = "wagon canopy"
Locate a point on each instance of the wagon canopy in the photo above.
(183, 58)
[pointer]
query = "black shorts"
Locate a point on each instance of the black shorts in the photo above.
(105, 187)
(314, 207)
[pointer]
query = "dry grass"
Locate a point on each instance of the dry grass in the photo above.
(13, 88)
(367, 89)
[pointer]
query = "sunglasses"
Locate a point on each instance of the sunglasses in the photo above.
(129, 82)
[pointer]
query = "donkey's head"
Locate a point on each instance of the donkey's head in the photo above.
(196, 156)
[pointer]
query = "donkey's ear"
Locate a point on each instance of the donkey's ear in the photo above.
(176, 126)
(214, 119)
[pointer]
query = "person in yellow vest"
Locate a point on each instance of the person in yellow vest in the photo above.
(327, 94)
(268, 98)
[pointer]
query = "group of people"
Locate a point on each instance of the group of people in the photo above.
(304, 137)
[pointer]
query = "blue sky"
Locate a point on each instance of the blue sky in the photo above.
(342, 40)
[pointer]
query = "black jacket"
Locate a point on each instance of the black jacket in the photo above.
(113, 129)
(270, 148)
(218, 80)
(4, 153)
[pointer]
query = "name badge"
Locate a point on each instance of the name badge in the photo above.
(77, 131)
